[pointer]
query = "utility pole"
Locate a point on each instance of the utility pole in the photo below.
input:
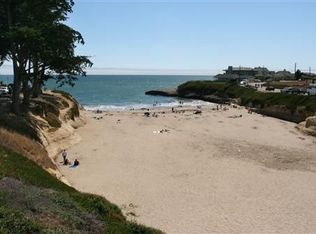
(295, 68)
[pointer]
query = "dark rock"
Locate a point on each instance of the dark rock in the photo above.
(167, 93)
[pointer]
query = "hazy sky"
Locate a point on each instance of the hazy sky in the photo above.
(198, 37)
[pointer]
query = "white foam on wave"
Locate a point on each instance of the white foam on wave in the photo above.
(190, 103)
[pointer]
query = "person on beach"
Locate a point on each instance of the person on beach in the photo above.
(66, 162)
(76, 163)
(64, 155)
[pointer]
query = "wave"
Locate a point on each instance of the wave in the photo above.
(137, 106)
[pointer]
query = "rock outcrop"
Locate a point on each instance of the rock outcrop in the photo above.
(308, 126)
(56, 139)
(166, 93)
(282, 112)
(174, 93)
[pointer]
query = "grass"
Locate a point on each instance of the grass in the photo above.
(19, 167)
(20, 124)
(64, 207)
(27, 147)
(284, 84)
(12, 221)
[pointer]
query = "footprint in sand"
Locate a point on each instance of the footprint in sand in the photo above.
(293, 132)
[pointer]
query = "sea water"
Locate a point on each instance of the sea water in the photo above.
(123, 92)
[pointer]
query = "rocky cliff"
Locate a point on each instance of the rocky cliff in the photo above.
(308, 126)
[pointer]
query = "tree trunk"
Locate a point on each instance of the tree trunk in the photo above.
(16, 89)
(26, 93)
(36, 87)
(16, 72)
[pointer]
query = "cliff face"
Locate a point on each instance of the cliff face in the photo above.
(56, 138)
(43, 132)
(189, 95)
(308, 126)
(30, 148)
(282, 112)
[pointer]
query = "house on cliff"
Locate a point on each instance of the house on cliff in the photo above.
(244, 73)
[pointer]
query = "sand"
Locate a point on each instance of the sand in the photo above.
(207, 173)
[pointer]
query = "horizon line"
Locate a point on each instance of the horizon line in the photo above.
(6, 69)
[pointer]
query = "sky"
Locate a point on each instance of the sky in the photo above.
(194, 37)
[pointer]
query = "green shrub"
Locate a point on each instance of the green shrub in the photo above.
(12, 221)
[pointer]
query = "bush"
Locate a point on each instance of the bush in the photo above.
(12, 221)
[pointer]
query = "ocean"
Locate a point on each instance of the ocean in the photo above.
(123, 92)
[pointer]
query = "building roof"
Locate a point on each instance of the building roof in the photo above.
(239, 69)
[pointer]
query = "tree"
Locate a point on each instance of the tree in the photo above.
(31, 32)
(298, 74)
(57, 56)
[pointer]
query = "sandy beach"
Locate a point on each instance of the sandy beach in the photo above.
(214, 172)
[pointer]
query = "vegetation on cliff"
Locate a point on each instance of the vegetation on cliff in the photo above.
(299, 106)
(74, 111)
(46, 107)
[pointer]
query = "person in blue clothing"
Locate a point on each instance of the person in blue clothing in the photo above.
(76, 163)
